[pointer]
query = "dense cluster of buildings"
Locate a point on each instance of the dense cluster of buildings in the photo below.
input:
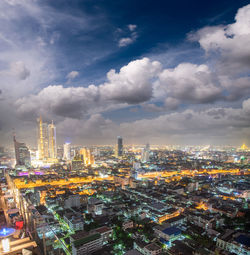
(126, 199)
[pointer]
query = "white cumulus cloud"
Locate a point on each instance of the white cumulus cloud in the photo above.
(72, 75)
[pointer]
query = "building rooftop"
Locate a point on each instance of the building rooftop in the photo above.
(86, 239)
(133, 252)
(153, 247)
(79, 235)
(179, 217)
(172, 231)
(243, 239)
(103, 229)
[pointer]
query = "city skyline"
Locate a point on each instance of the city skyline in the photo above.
(124, 127)
(102, 70)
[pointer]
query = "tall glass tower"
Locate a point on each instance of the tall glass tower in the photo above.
(22, 153)
(52, 141)
(119, 147)
(46, 140)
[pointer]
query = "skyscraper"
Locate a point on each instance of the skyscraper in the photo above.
(46, 140)
(52, 141)
(88, 156)
(22, 153)
(145, 153)
(40, 138)
(43, 141)
(66, 151)
(119, 147)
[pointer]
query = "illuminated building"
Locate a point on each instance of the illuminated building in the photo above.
(74, 222)
(66, 151)
(43, 141)
(86, 244)
(47, 150)
(52, 141)
(77, 164)
(243, 147)
(168, 234)
(144, 155)
(119, 147)
(91, 158)
(22, 153)
(88, 156)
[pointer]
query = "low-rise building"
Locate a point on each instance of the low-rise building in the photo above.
(74, 222)
(95, 206)
(231, 241)
(176, 221)
(127, 224)
(168, 234)
(105, 233)
(72, 201)
(147, 249)
(87, 244)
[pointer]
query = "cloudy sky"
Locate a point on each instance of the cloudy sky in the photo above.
(166, 72)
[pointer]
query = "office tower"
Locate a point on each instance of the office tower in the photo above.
(145, 153)
(43, 140)
(22, 153)
(46, 140)
(66, 151)
(119, 147)
(52, 141)
(83, 153)
(91, 158)
(88, 156)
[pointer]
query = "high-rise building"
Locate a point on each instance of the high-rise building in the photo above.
(119, 147)
(52, 141)
(22, 153)
(66, 151)
(43, 140)
(145, 153)
(46, 140)
(88, 156)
